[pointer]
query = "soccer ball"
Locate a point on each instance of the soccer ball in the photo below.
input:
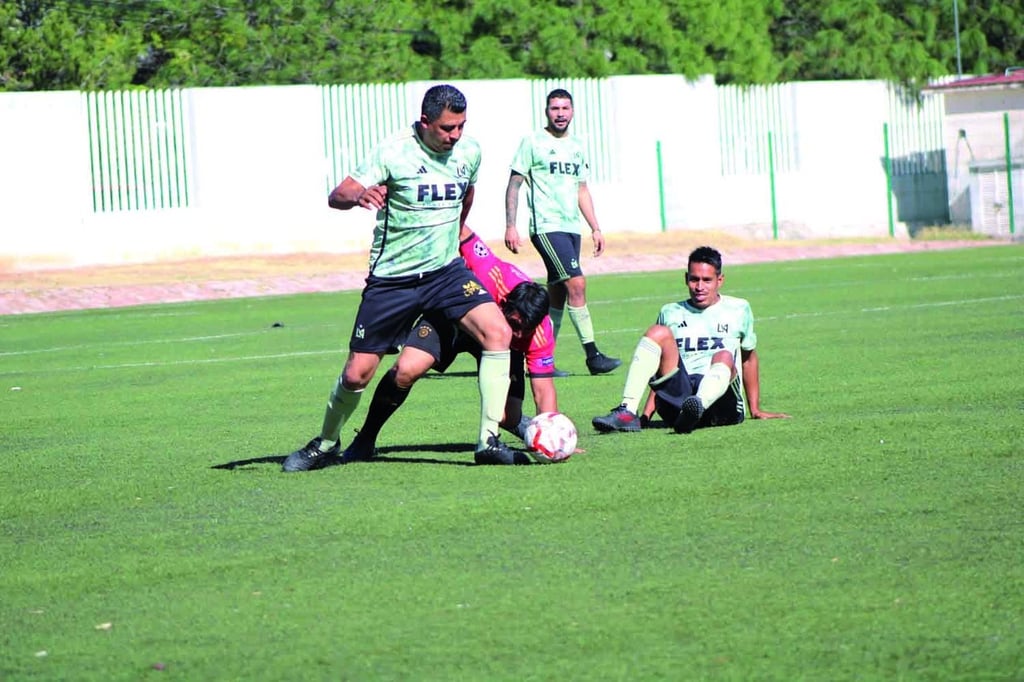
(550, 437)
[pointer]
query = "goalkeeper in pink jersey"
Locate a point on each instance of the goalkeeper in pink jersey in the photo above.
(434, 342)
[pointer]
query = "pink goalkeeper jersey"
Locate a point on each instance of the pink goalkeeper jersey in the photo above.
(499, 278)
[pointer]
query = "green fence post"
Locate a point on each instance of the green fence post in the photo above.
(1009, 169)
(888, 179)
(661, 185)
(771, 180)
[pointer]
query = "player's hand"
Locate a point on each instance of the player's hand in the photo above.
(598, 242)
(512, 241)
(373, 197)
(761, 414)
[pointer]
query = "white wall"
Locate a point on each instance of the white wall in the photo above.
(258, 166)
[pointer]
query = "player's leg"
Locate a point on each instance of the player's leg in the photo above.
(712, 386)
(430, 344)
(386, 312)
(484, 323)
(560, 252)
(459, 296)
(656, 357)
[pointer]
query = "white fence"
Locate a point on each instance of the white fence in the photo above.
(107, 178)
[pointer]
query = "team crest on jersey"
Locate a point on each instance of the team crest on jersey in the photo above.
(360, 332)
(423, 332)
(575, 263)
(472, 289)
(462, 171)
(481, 250)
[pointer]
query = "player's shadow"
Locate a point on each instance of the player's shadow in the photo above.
(383, 456)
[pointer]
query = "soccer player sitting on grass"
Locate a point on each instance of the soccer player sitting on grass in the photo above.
(434, 342)
(688, 360)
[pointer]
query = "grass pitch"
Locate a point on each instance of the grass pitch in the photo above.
(146, 530)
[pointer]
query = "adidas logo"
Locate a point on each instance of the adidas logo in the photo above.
(422, 170)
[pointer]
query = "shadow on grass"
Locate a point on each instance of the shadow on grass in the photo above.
(383, 456)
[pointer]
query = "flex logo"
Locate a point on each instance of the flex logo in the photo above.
(562, 168)
(451, 191)
(691, 344)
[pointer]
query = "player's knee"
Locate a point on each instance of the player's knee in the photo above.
(408, 373)
(358, 372)
(659, 333)
(724, 357)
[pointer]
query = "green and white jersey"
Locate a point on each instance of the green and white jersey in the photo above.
(417, 231)
(553, 167)
(726, 325)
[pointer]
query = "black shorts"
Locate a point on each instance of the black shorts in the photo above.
(444, 340)
(390, 305)
(670, 394)
(560, 252)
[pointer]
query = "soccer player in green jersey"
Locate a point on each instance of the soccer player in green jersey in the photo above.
(421, 184)
(698, 360)
(553, 166)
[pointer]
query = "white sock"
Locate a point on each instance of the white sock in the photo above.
(646, 358)
(714, 384)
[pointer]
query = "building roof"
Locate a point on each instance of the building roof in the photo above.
(1012, 78)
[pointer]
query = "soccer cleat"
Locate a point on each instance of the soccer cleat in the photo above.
(602, 364)
(520, 429)
(359, 451)
(497, 452)
(561, 374)
(690, 413)
(310, 457)
(619, 419)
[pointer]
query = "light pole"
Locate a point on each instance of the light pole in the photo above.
(956, 32)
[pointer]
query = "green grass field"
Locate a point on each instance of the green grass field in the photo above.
(147, 532)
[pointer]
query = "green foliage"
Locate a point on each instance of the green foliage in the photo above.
(87, 44)
(875, 535)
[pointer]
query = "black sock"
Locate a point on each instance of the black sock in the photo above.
(387, 398)
(591, 349)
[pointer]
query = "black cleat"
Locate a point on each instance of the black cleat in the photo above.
(497, 452)
(690, 413)
(310, 457)
(359, 451)
(602, 364)
(619, 419)
(520, 428)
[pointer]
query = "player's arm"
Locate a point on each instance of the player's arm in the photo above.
(544, 395)
(752, 386)
(515, 182)
(586, 203)
(467, 203)
(648, 411)
(351, 193)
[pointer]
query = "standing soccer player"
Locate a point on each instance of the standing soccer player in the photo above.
(689, 359)
(434, 343)
(421, 184)
(553, 166)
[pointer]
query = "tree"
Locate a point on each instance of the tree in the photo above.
(113, 44)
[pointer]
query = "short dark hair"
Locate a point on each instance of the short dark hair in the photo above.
(531, 301)
(559, 93)
(439, 98)
(706, 254)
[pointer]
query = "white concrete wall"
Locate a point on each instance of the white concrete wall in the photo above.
(975, 131)
(259, 171)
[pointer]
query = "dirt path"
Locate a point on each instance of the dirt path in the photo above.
(214, 278)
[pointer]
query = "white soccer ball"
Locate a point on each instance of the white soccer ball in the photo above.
(550, 437)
